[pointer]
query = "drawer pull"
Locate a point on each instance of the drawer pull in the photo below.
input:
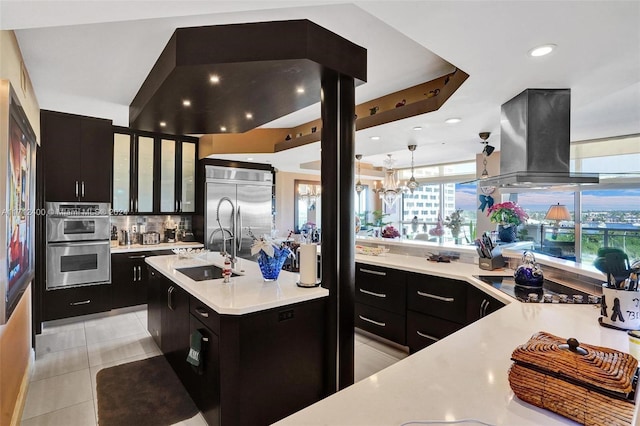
(369, 271)
(84, 302)
(381, 324)
(435, 296)
(202, 313)
(426, 336)
(371, 293)
(142, 256)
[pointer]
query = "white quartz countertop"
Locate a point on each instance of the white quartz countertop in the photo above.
(244, 293)
(463, 376)
(151, 247)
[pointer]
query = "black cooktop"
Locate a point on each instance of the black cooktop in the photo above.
(550, 292)
(203, 273)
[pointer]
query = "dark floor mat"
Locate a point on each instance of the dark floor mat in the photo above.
(145, 392)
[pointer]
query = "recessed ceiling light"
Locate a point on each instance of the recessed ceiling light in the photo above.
(453, 120)
(300, 90)
(542, 50)
(186, 102)
(249, 116)
(163, 123)
(214, 79)
(249, 158)
(417, 128)
(375, 138)
(223, 129)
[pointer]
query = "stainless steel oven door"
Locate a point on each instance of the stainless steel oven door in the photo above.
(78, 263)
(78, 228)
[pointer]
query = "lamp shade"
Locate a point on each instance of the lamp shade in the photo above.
(558, 212)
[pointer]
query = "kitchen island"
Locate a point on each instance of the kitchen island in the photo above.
(463, 376)
(262, 343)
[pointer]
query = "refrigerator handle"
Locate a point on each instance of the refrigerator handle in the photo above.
(239, 229)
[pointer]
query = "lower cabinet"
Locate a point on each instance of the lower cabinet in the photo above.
(129, 277)
(256, 368)
(423, 330)
(480, 304)
(415, 309)
(74, 301)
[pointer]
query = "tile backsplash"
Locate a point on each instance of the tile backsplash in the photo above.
(150, 223)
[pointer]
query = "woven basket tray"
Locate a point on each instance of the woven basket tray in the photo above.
(592, 389)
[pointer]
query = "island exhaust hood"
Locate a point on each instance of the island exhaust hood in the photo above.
(534, 142)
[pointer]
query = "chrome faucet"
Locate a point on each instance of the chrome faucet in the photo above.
(231, 232)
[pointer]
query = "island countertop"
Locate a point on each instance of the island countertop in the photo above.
(244, 293)
(465, 375)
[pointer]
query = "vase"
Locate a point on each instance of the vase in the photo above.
(270, 266)
(507, 234)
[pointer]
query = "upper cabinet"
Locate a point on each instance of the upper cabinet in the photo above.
(153, 173)
(78, 157)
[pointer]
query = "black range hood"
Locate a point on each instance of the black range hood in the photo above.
(534, 142)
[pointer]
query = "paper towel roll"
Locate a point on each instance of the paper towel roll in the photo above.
(308, 264)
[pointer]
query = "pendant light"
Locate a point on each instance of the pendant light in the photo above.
(412, 184)
(487, 151)
(359, 185)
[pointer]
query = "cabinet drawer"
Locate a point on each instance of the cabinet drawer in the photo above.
(423, 330)
(381, 287)
(205, 314)
(380, 322)
(71, 302)
(436, 296)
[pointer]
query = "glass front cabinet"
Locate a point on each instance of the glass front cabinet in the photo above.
(153, 173)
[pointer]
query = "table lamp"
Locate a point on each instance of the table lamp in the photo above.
(557, 213)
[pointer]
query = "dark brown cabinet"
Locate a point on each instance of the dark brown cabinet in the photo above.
(480, 304)
(75, 301)
(78, 157)
(130, 277)
(168, 319)
(381, 301)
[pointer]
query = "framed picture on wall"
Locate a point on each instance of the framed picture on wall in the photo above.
(17, 164)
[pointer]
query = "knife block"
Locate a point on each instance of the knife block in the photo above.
(489, 264)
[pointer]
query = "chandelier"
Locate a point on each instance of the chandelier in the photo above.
(359, 185)
(391, 188)
(309, 193)
(412, 184)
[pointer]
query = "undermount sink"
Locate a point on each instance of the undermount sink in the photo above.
(203, 273)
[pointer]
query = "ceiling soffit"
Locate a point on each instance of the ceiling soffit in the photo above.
(260, 67)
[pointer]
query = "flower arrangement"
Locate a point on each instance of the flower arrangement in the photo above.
(454, 222)
(390, 232)
(271, 256)
(507, 214)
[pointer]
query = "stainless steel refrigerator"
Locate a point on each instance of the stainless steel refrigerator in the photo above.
(237, 200)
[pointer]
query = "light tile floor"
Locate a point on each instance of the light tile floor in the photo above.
(70, 352)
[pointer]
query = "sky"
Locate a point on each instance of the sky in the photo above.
(623, 199)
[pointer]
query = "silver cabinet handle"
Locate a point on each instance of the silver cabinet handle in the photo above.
(76, 189)
(482, 307)
(141, 256)
(176, 205)
(205, 339)
(486, 305)
(131, 205)
(371, 293)
(369, 271)
(136, 204)
(435, 296)
(202, 313)
(84, 302)
(82, 186)
(381, 324)
(134, 273)
(170, 297)
(139, 273)
(426, 336)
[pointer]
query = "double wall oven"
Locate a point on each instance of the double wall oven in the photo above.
(78, 243)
